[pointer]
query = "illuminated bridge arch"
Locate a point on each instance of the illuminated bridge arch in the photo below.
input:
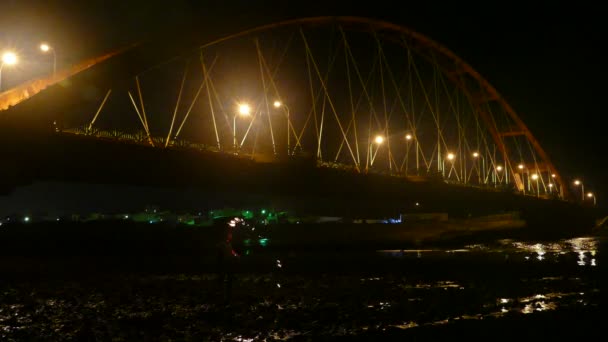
(354, 93)
(477, 89)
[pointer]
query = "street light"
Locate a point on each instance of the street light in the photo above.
(378, 140)
(577, 183)
(279, 104)
(451, 157)
(408, 138)
(534, 177)
(521, 167)
(482, 174)
(45, 48)
(497, 169)
(591, 195)
(243, 110)
(8, 58)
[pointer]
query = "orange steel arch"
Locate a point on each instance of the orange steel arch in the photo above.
(462, 68)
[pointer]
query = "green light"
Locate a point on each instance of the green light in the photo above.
(263, 211)
(247, 214)
(264, 242)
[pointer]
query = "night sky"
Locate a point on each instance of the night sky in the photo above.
(545, 58)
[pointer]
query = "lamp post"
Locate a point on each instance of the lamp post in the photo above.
(450, 157)
(279, 104)
(577, 183)
(481, 174)
(45, 48)
(497, 169)
(408, 138)
(378, 140)
(243, 110)
(8, 58)
(592, 195)
(534, 177)
(523, 179)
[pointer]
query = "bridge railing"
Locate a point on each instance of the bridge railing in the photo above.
(141, 138)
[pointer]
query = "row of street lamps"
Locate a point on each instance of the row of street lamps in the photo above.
(244, 110)
(589, 195)
(10, 58)
(379, 139)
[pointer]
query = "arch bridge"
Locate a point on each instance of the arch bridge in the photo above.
(350, 93)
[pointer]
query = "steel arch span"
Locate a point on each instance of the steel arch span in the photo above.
(354, 93)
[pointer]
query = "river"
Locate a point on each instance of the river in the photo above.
(497, 289)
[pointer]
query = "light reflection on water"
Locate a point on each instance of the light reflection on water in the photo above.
(282, 305)
(584, 247)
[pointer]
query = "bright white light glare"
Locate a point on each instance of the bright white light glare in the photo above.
(379, 139)
(550, 185)
(520, 166)
(499, 168)
(44, 47)
(408, 137)
(244, 109)
(277, 104)
(475, 154)
(9, 58)
(534, 176)
(577, 182)
(26, 219)
(451, 156)
(590, 194)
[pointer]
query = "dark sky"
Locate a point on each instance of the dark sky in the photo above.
(545, 57)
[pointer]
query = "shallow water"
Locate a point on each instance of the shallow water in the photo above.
(311, 295)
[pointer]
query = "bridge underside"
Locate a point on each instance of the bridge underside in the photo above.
(298, 186)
